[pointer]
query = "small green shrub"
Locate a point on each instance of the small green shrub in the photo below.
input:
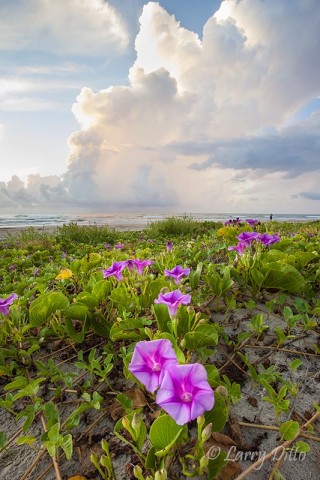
(89, 234)
(173, 226)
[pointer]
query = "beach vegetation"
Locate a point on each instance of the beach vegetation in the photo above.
(174, 226)
(160, 344)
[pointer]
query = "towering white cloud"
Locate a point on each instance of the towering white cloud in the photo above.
(204, 122)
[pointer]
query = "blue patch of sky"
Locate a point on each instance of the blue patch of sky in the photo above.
(307, 109)
(190, 13)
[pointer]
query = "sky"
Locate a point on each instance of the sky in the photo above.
(171, 106)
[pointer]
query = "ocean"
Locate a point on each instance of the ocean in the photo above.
(133, 220)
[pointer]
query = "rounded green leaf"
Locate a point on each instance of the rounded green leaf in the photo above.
(289, 430)
(218, 416)
(163, 433)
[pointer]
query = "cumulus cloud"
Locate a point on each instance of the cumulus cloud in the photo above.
(36, 191)
(211, 99)
(45, 26)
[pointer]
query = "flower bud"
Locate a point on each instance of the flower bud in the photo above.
(203, 462)
(200, 420)
(206, 432)
(137, 472)
(161, 474)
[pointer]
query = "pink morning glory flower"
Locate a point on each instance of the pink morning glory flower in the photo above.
(185, 393)
(141, 264)
(268, 239)
(239, 248)
(150, 360)
(248, 237)
(173, 300)
(115, 270)
(169, 246)
(6, 302)
(177, 273)
(251, 222)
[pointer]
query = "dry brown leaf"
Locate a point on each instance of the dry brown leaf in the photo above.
(237, 433)
(139, 400)
(116, 410)
(222, 440)
(230, 471)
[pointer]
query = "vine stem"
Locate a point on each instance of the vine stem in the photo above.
(276, 429)
(54, 459)
(281, 447)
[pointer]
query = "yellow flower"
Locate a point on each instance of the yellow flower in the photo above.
(63, 274)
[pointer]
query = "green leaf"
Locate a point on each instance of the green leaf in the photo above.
(289, 430)
(45, 305)
(218, 416)
(162, 316)
(101, 290)
(121, 298)
(76, 336)
(302, 447)
(202, 336)
(217, 463)
(295, 364)
(133, 330)
(283, 277)
(87, 299)
(164, 433)
(67, 445)
(124, 400)
(150, 463)
(89, 261)
(77, 311)
(18, 383)
(26, 440)
(51, 414)
(213, 376)
(3, 439)
(54, 433)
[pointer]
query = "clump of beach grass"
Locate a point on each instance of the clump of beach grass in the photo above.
(173, 226)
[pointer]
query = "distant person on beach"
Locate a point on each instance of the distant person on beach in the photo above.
(270, 216)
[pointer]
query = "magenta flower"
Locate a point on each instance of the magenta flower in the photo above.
(239, 248)
(141, 264)
(119, 246)
(177, 273)
(150, 360)
(268, 239)
(251, 221)
(115, 270)
(248, 237)
(169, 246)
(6, 302)
(173, 300)
(185, 392)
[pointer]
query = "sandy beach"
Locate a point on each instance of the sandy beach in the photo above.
(8, 232)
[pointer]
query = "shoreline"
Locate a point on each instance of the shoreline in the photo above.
(14, 230)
